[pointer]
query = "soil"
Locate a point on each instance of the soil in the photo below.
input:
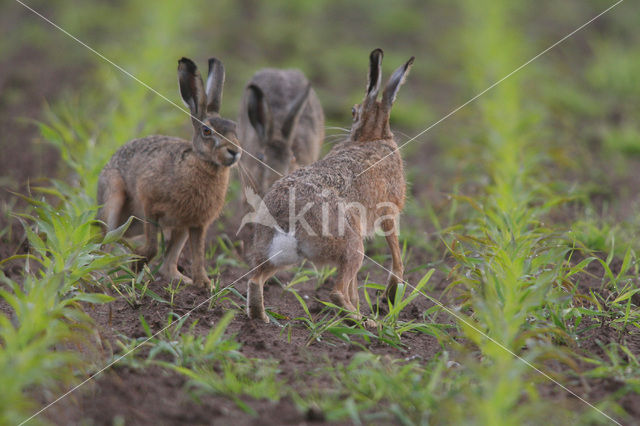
(156, 396)
(159, 396)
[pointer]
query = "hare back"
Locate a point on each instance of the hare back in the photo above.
(166, 180)
(345, 170)
(332, 186)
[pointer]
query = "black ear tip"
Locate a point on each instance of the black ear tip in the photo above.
(376, 54)
(213, 61)
(187, 64)
(410, 61)
(257, 91)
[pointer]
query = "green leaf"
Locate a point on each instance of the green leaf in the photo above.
(145, 326)
(302, 302)
(626, 295)
(216, 334)
(118, 233)
(95, 298)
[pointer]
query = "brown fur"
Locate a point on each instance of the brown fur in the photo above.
(287, 96)
(172, 183)
(330, 182)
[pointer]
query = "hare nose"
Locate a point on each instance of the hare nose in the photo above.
(232, 152)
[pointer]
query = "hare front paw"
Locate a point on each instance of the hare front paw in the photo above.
(257, 313)
(202, 281)
(173, 275)
(181, 278)
(339, 299)
(369, 323)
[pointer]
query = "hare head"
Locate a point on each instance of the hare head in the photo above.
(276, 139)
(214, 138)
(371, 117)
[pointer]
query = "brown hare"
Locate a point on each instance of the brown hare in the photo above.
(174, 184)
(325, 210)
(281, 122)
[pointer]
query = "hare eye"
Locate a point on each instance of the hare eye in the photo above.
(353, 112)
(206, 131)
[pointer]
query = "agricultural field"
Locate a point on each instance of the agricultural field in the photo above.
(520, 236)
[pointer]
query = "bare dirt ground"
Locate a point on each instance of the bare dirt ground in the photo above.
(140, 396)
(157, 396)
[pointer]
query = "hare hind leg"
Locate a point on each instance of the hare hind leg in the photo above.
(355, 301)
(255, 294)
(345, 291)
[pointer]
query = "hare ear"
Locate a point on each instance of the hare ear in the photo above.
(259, 112)
(213, 88)
(293, 114)
(375, 74)
(395, 81)
(191, 88)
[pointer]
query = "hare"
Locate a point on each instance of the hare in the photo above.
(281, 123)
(174, 184)
(324, 211)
